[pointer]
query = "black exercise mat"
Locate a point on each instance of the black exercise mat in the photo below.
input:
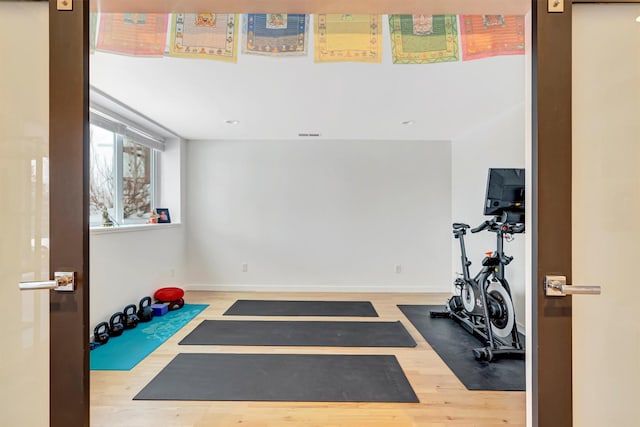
(281, 377)
(300, 333)
(454, 344)
(301, 308)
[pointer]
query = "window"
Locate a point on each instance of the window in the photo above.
(102, 179)
(136, 181)
(122, 171)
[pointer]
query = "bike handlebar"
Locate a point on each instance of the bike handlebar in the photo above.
(494, 226)
(516, 228)
(483, 226)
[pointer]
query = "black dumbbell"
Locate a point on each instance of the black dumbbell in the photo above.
(101, 333)
(130, 318)
(174, 305)
(115, 324)
(145, 312)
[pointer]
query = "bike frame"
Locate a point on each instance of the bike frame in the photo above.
(478, 320)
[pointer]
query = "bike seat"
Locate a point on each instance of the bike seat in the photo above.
(460, 226)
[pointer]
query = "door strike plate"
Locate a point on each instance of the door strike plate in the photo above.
(554, 6)
(65, 4)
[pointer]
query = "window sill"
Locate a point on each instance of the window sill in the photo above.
(131, 228)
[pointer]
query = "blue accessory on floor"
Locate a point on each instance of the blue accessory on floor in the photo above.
(126, 351)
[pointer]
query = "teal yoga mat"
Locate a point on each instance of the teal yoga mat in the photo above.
(126, 351)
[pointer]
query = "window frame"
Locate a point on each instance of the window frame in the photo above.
(125, 130)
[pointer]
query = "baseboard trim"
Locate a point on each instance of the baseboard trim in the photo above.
(315, 288)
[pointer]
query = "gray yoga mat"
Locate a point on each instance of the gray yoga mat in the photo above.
(454, 344)
(281, 377)
(301, 308)
(300, 333)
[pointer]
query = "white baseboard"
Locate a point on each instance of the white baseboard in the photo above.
(409, 288)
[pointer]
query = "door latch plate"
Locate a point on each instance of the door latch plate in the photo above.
(66, 281)
(65, 4)
(554, 286)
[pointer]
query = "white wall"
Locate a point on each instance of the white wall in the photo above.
(319, 215)
(172, 177)
(125, 266)
(488, 115)
(128, 263)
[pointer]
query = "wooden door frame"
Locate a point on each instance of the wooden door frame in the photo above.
(551, 225)
(69, 212)
(552, 254)
(551, 222)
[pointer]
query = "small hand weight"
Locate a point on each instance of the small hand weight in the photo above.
(101, 333)
(174, 305)
(145, 312)
(130, 318)
(115, 324)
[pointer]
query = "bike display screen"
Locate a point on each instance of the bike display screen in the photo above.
(505, 192)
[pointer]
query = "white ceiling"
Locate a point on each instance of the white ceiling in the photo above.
(282, 97)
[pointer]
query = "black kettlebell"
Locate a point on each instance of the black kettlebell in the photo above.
(145, 312)
(130, 318)
(101, 333)
(115, 324)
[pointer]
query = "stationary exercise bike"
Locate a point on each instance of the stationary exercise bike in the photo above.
(484, 306)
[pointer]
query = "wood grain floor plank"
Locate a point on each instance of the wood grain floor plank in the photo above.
(444, 401)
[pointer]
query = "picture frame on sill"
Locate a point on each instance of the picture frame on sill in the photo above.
(163, 216)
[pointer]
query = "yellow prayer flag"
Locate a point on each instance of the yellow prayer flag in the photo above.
(348, 38)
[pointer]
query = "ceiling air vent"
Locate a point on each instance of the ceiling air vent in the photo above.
(309, 134)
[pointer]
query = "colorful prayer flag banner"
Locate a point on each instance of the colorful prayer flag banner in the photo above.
(275, 34)
(143, 34)
(423, 39)
(491, 35)
(204, 35)
(347, 38)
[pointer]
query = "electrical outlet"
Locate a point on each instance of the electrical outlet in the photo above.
(555, 5)
(245, 267)
(398, 269)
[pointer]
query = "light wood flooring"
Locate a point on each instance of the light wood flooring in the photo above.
(444, 401)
